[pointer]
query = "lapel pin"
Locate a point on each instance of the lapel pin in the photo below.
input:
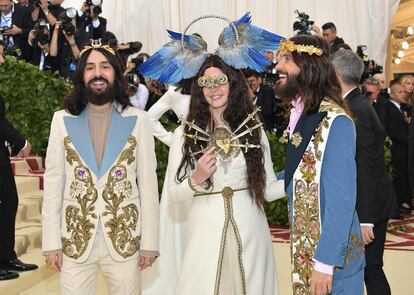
(296, 139)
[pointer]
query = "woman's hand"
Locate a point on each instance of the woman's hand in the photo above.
(206, 166)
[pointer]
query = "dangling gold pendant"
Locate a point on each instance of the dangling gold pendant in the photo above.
(296, 139)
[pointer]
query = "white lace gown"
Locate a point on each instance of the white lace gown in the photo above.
(228, 249)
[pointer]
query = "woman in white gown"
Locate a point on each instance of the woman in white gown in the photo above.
(220, 164)
(160, 279)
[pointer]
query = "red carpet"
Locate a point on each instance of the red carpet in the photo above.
(400, 234)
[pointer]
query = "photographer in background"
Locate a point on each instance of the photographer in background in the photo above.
(138, 92)
(27, 4)
(15, 25)
(38, 49)
(330, 35)
(67, 42)
(264, 98)
(89, 19)
(49, 10)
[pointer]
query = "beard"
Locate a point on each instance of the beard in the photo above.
(99, 97)
(290, 90)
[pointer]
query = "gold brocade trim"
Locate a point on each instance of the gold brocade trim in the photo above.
(329, 106)
(306, 223)
(123, 220)
(78, 223)
(229, 218)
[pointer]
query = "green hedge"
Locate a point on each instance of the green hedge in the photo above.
(32, 96)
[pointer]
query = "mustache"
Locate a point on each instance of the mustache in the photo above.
(97, 79)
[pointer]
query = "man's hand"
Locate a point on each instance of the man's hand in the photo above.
(25, 152)
(14, 30)
(317, 30)
(144, 262)
(85, 7)
(54, 261)
(367, 234)
(32, 35)
(44, 5)
(320, 283)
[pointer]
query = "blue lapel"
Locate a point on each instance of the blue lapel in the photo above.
(78, 130)
(119, 131)
(121, 128)
(306, 127)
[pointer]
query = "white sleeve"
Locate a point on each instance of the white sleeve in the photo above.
(155, 113)
(275, 189)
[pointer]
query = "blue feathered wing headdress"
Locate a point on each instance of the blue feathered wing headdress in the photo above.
(241, 45)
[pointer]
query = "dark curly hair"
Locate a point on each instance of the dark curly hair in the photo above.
(75, 102)
(238, 108)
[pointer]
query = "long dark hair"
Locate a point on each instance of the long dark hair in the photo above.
(238, 108)
(74, 102)
(317, 77)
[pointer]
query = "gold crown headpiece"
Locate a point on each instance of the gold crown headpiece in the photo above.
(97, 44)
(290, 46)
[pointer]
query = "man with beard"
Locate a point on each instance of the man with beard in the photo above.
(100, 205)
(320, 173)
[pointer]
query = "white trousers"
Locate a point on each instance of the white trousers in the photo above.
(122, 278)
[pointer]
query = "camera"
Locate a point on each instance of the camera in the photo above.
(42, 35)
(97, 9)
(4, 29)
(66, 18)
(370, 66)
(303, 25)
(270, 79)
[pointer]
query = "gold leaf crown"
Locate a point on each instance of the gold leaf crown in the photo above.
(290, 46)
(97, 44)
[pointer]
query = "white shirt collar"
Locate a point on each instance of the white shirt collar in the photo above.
(397, 104)
(346, 94)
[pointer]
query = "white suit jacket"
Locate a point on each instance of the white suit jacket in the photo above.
(121, 195)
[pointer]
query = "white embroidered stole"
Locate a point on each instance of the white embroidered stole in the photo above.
(306, 216)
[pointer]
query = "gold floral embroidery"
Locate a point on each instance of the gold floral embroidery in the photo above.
(356, 248)
(306, 223)
(296, 139)
(123, 222)
(78, 218)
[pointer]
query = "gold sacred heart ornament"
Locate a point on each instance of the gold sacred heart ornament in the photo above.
(223, 140)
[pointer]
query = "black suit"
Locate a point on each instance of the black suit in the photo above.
(267, 102)
(85, 25)
(8, 193)
(411, 153)
(376, 200)
(397, 129)
(35, 55)
(21, 17)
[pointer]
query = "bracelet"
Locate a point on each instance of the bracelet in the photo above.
(73, 44)
(192, 184)
(46, 12)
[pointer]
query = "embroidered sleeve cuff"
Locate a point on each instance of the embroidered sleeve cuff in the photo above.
(194, 186)
(322, 267)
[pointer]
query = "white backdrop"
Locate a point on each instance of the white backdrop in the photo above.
(359, 22)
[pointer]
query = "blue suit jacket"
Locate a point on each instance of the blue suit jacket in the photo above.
(340, 244)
